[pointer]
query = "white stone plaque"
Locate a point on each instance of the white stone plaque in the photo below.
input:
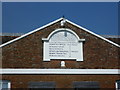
(63, 44)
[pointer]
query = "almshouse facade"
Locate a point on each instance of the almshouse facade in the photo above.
(60, 54)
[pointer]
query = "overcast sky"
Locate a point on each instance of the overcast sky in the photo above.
(99, 17)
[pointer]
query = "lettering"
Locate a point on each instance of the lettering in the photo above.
(62, 49)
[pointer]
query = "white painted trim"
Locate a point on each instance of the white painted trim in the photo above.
(93, 33)
(61, 71)
(62, 29)
(8, 84)
(55, 22)
(116, 86)
(30, 32)
(77, 57)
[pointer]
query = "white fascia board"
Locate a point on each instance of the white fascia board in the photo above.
(93, 33)
(30, 32)
(53, 23)
(61, 71)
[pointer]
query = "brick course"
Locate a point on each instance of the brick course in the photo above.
(62, 81)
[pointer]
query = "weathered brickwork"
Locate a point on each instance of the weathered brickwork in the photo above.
(62, 81)
(28, 52)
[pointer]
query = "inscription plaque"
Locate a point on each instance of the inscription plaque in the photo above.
(63, 44)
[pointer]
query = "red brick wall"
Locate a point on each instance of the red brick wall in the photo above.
(5, 39)
(116, 40)
(28, 52)
(62, 81)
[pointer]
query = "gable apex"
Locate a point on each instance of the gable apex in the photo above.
(86, 30)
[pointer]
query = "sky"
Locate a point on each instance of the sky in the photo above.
(23, 17)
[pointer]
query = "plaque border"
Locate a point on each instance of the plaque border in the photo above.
(46, 41)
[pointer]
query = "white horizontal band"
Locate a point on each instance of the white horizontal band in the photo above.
(60, 71)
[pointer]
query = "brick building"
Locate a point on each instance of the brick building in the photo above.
(60, 54)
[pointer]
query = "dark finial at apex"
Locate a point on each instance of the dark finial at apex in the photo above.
(63, 16)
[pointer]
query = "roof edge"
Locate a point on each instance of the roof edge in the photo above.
(55, 22)
(22, 36)
(93, 33)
